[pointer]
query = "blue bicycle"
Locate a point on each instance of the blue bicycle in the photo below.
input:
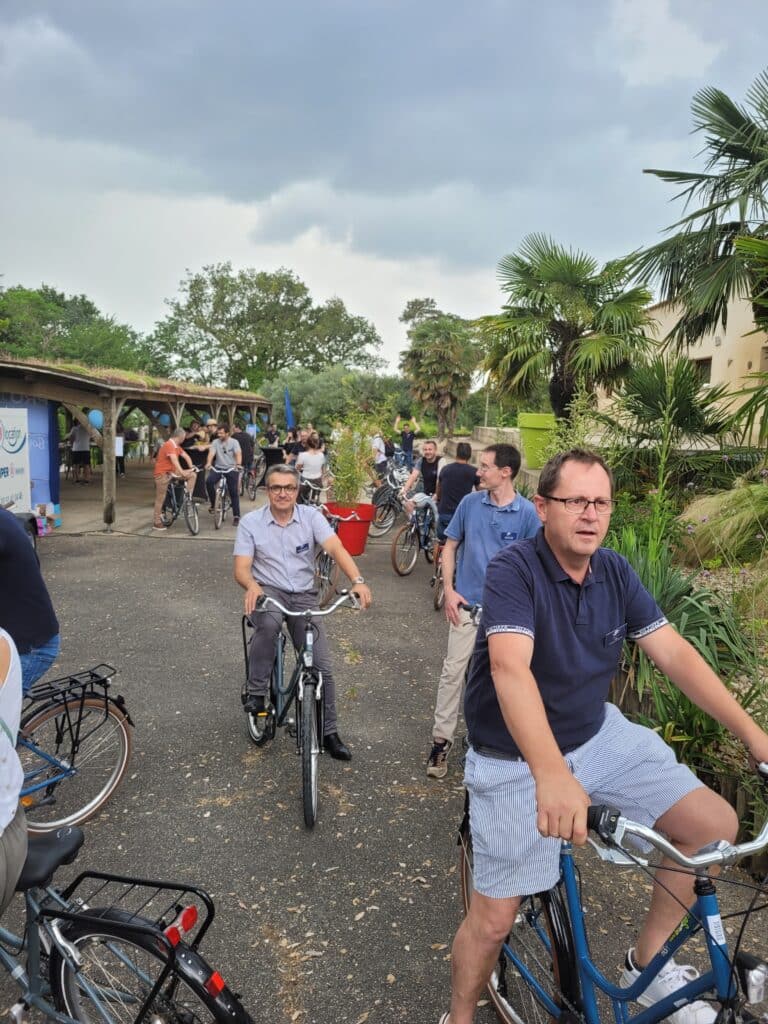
(545, 970)
(74, 744)
(418, 534)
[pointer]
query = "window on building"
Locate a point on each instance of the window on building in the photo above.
(704, 370)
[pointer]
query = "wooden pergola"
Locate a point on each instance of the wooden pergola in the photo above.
(118, 392)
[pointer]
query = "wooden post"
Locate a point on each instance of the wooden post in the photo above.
(109, 474)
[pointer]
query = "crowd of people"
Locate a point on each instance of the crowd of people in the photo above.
(543, 742)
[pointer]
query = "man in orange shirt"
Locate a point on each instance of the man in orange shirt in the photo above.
(167, 465)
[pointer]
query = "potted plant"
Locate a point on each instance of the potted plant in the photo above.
(351, 463)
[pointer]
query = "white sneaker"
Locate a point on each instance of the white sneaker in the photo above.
(671, 977)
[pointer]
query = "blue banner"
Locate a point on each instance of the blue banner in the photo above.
(289, 420)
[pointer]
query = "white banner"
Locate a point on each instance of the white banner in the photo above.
(15, 483)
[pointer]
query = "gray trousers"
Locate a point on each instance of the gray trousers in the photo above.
(13, 853)
(266, 626)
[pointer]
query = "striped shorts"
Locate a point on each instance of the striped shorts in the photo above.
(624, 765)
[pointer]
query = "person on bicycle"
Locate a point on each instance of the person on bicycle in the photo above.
(455, 480)
(13, 827)
(224, 456)
(275, 555)
(26, 609)
(428, 467)
(167, 467)
(484, 522)
(311, 466)
(544, 743)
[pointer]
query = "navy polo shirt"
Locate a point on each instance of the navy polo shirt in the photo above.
(577, 630)
(26, 611)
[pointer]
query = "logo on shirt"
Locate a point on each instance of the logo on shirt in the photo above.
(301, 548)
(509, 535)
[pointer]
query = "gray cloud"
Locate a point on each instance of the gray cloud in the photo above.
(441, 130)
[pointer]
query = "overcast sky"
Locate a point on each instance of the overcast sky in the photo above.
(383, 150)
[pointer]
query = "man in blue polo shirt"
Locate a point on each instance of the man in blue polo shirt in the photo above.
(484, 522)
(275, 555)
(544, 743)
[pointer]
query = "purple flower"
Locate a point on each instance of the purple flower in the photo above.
(689, 528)
(705, 519)
(764, 473)
(706, 572)
(726, 458)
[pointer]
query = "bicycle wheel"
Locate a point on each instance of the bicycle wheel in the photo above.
(166, 515)
(310, 753)
(405, 549)
(259, 465)
(326, 578)
(97, 751)
(430, 541)
(119, 969)
(438, 596)
(383, 521)
(219, 508)
(251, 484)
(191, 518)
(535, 978)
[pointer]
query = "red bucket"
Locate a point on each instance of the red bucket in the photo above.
(354, 533)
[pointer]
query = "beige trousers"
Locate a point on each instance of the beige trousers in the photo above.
(13, 853)
(450, 689)
(161, 486)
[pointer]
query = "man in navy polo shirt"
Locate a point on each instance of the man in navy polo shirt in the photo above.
(544, 743)
(484, 522)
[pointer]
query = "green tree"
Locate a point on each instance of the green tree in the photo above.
(439, 364)
(417, 310)
(699, 266)
(42, 323)
(567, 320)
(242, 328)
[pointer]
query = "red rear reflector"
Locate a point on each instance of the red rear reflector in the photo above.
(173, 935)
(188, 918)
(215, 984)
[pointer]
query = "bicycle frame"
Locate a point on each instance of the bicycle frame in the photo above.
(591, 980)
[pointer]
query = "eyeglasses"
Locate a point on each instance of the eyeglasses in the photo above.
(603, 506)
(287, 488)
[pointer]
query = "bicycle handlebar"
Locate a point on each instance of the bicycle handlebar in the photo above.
(611, 826)
(475, 611)
(342, 519)
(347, 597)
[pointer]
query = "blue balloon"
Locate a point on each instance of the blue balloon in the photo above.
(96, 419)
(204, 418)
(165, 420)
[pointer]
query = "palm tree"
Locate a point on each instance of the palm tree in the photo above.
(439, 365)
(567, 319)
(698, 266)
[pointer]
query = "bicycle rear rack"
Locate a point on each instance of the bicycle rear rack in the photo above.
(139, 900)
(86, 681)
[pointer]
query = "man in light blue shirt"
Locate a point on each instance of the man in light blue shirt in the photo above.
(275, 555)
(484, 522)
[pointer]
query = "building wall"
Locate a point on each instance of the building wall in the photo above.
(735, 352)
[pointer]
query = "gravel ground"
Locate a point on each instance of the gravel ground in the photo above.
(348, 923)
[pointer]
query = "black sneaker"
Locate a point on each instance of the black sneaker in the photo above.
(255, 705)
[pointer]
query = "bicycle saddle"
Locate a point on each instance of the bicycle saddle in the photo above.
(46, 853)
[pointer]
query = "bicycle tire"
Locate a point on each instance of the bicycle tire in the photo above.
(123, 965)
(383, 520)
(251, 485)
(167, 516)
(430, 544)
(310, 753)
(259, 465)
(191, 517)
(219, 511)
(541, 940)
(61, 803)
(326, 578)
(405, 549)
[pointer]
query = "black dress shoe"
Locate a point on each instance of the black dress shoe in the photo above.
(336, 748)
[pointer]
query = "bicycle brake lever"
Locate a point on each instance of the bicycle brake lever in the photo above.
(260, 600)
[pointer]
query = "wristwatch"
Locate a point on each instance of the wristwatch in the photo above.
(359, 579)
